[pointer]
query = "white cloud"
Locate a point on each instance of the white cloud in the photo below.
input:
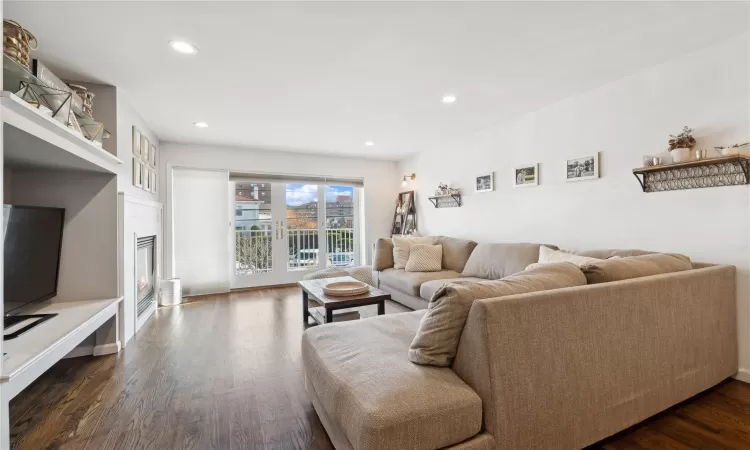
(297, 194)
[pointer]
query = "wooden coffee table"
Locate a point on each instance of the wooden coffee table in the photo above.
(314, 289)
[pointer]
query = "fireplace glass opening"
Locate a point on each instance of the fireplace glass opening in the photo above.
(145, 275)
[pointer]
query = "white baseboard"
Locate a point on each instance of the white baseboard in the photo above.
(106, 349)
(743, 375)
(84, 350)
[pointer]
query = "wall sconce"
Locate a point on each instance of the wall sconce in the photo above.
(407, 178)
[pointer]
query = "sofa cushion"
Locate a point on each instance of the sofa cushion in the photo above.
(634, 267)
(425, 258)
(428, 288)
(495, 261)
(382, 254)
(410, 282)
(402, 246)
(378, 398)
(436, 341)
(455, 252)
(548, 255)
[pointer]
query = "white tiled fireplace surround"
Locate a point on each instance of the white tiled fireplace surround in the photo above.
(139, 218)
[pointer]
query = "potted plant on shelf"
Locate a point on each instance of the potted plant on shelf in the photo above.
(731, 150)
(680, 145)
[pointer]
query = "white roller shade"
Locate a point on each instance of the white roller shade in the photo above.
(201, 233)
(292, 178)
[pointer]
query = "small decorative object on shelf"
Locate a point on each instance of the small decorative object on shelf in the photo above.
(700, 154)
(656, 161)
(87, 98)
(681, 144)
(18, 43)
(710, 172)
(442, 189)
(648, 161)
(731, 150)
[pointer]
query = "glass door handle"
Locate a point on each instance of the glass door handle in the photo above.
(282, 229)
(277, 229)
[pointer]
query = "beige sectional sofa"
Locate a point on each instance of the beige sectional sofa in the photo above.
(555, 369)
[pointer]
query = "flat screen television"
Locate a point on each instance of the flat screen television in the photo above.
(32, 239)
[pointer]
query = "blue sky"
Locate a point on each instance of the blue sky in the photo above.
(297, 194)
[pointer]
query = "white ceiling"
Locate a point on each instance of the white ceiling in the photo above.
(326, 77)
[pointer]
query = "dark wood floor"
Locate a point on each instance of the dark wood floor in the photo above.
(224, 373)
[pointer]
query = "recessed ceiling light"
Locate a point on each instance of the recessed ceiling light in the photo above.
(183, 47)
(369, 143)
(200, 124)
(448, 99)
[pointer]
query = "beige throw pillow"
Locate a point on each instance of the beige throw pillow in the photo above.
(401, 246)
(425, 258)
(616, 269)
(548, 255)
(437, 338)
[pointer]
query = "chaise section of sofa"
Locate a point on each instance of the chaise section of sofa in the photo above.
(369, 396)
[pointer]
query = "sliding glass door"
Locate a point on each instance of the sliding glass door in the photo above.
(282, 231)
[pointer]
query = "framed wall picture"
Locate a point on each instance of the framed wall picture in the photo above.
(583, 168)
(525, 176)
(153, 181)
(136, 142)
(152, 156)
(145, 145)
(485, 183)
(137, 172)
(146, 178)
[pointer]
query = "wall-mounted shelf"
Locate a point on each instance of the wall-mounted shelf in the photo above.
(446, 201)
(33, 140)
(713, 172)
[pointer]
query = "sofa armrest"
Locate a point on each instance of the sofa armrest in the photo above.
(569, 367)
(382, 254)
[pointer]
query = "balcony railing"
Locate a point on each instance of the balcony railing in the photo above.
(253, 252)
(254, 249)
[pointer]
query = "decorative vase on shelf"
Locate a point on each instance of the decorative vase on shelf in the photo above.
(730, 151)
(680, 155)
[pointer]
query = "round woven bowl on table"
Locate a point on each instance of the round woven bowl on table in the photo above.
(346, 288)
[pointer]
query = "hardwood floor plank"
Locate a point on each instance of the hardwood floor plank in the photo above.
(223, 372)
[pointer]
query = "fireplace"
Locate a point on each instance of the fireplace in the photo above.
(145, 273)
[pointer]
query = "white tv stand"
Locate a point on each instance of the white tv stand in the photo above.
(33, 353)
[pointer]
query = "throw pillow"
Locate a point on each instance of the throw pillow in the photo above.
(548, 255)
(425, 258)
(615, 269)
(439, 331)
(401, 246)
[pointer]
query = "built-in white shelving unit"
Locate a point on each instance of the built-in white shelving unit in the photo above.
(33, 140)
(45, 164)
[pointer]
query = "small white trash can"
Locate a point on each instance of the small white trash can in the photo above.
(171, 292)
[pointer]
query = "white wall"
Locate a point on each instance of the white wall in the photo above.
(381, 178)
(707, 90)
(127, 117)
